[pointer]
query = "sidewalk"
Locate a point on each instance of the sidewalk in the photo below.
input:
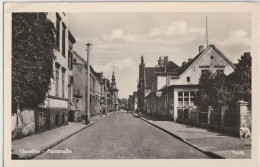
(214, 144)
(31, 146)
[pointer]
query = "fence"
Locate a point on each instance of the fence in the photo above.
(235, 120)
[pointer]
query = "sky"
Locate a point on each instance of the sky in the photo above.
(120, 39)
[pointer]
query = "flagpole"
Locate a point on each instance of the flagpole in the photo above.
(207, 30)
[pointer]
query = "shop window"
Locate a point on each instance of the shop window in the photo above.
(186, 99)
(192, 94)
(180, 99)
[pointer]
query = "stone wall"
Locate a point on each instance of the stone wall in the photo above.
(23, 123)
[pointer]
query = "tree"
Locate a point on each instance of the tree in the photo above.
(239, 82)
(33, 44)
(212, 90)
(217, 89)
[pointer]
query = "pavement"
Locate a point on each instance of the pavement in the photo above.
(122, 136)
(214, 144)
(31, 146)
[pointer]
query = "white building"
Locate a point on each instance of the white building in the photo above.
(176, 89)
(60, 96)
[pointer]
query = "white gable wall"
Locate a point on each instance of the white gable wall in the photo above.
(161, 82)
(204, 62)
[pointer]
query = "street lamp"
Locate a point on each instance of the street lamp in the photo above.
(87, 119)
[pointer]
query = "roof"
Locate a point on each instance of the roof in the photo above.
(149, 71)
(171, 66)
(187, 65)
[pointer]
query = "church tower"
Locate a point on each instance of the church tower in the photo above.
(114, 92)
(141, 86)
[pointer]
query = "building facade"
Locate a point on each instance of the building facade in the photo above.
(97, 88)
(54, 111)
(173, 91)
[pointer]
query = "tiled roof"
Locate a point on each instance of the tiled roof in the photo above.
(186, 66)
(171, 66)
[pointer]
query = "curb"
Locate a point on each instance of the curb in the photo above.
(57, 142)
(210, 154)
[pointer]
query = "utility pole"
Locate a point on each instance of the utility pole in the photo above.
(87, 120)
(105, 96)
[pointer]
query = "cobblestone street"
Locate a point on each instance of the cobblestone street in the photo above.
(123, 136)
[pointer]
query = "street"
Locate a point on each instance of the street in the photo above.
(122, 136)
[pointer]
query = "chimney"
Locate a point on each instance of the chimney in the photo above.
(201, 48)
(165, 62)
(183, 63)
(159, 61)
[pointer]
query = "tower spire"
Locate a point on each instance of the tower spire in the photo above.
(113, 74)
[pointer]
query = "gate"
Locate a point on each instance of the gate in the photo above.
(42, 120)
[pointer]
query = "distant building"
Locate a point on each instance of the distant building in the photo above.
(80, 87)
(146, 76)
(123, 103)
(131, 103)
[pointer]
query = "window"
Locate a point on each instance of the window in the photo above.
(192, 94)
(186, 99)
(70, 58)
(63, 83)
(58, 31)
(180, 99)
(212, 57)
(57, 73)
(203, 72)
(220, 72)
(63, 39)
(188, 79)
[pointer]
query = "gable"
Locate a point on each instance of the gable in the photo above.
(210, 59)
